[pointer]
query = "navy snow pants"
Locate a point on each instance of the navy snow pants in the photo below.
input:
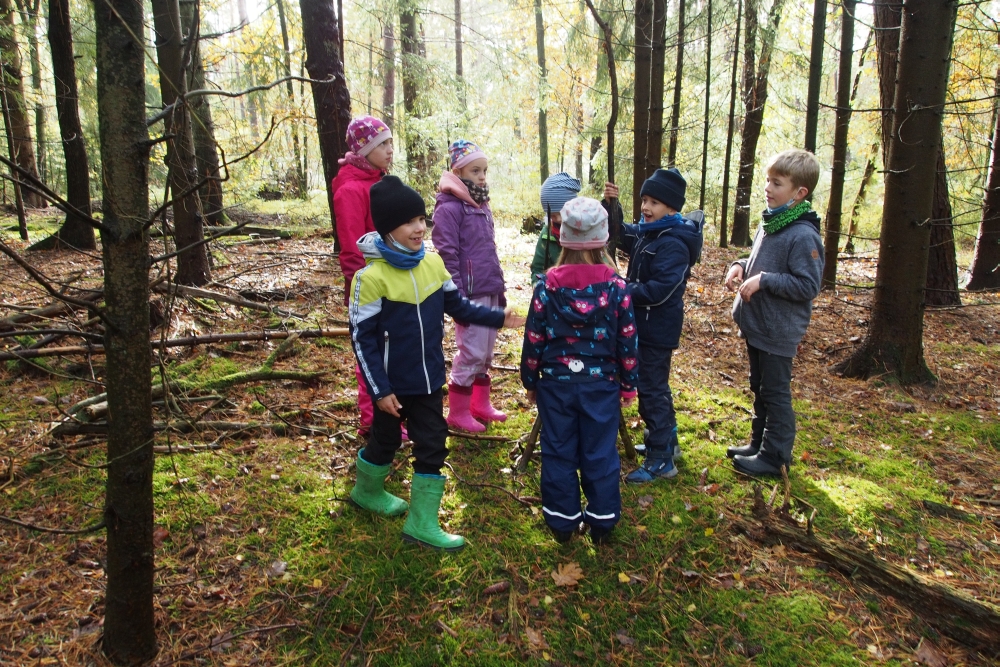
(580, 433)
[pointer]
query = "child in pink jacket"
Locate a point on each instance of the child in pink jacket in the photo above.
(367, 161)
(463, 236)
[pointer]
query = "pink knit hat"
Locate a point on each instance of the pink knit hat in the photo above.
(584, 224)
(365, 133)
(463, 152)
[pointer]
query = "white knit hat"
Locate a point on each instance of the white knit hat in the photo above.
(584, 224)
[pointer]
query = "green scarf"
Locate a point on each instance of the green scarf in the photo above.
(778, 222)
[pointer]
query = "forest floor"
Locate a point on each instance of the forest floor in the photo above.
(261, 562)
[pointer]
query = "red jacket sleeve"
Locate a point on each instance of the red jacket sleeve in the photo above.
(353, 210)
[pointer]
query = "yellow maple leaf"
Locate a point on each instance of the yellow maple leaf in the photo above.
(624, 578)
(567, 574)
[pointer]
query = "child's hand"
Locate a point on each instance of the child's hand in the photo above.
(610, 191)
(750, 287)
(389, 404)
(734, 277)
(531, 395)
(512, 320)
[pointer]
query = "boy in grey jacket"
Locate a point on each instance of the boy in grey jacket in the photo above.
(775, 287)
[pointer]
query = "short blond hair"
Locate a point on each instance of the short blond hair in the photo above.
(799, 165)
(588, 256)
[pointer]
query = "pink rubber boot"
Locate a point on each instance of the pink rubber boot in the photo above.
(481, 408)
(459, 417)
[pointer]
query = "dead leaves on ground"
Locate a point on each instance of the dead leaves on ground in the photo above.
(567, 574)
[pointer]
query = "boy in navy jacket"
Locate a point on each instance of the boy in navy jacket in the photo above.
(661, 247)
(397, 308)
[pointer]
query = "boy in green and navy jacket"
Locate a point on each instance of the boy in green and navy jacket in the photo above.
(397, 307)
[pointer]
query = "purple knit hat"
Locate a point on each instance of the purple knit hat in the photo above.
(365, 133)
(463, 152)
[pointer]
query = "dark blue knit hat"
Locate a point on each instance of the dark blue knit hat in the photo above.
(393, 203)
(667, 186)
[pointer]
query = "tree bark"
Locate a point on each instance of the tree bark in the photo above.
(894, 344)
(866, 178)
(410, 48)
(129, 634)
(286, 55)
(22, 220)
(192, 262)
(834, 211)
(942, 267)
(888, 17)
(675, 111)
(708, 109)
(388, 74)
(13, 88)
(986, 260)
(724, 216)
(640, 124)
(202, 126)
(609, 51)
(29, 19)
(331, 98)
(657, 72)
(815, 73)
(754, 97)
(459, 65)
(74, 231)
(595, 148)
(543, 129)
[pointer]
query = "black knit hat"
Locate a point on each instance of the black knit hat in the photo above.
(394, 203)
(667, 186)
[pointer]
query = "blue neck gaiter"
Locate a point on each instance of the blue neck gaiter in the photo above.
(401, 258)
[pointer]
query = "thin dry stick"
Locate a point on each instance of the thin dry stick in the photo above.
(357, 639)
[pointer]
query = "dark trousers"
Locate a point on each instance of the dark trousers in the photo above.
(428, 430)
(580, 433)
(773, 424)
(656, 402)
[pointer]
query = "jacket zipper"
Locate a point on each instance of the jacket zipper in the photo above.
(385, 361)
(420, 322)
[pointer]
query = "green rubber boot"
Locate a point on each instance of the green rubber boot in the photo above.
(422, 525)
(369, 491)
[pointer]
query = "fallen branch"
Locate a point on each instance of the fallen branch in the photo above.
(199, 293)
(951, 611)
(478, 436)
(189, 341)
(224, 638)
(357, 638)
(45, 312)
(58, 531)
(67, 429)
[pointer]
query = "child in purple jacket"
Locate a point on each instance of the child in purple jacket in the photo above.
(463, 236)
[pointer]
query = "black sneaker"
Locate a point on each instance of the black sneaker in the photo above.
(601, 536)
(743, 450)
(562, 536)
(756, 466)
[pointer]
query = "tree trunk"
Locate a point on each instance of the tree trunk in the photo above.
(459, 66)
(22, 220)
(579, 142)
(388, 74)
(408, 72)
(894, 344)
(129, 634)
(834, 210)
(543, 129)
(203, 129)
(640, 124)
(192, 261)
(724, 216)
(986, 261)
(74, 231)
(708, 94)
(816, 73)
(331, 98)
(29, 19)
(754, 97)
(595, 148)
(860, 198)
(675, 111)
(888, 17)
(300, 176)
(22, 149)
(609, 52)
(657, 72)
(942, 267)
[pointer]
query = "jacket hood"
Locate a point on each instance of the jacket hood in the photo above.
(581, 307)
(366, 244)
(348, 172)
(812, 218)
(689, 231)
(450, 184)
